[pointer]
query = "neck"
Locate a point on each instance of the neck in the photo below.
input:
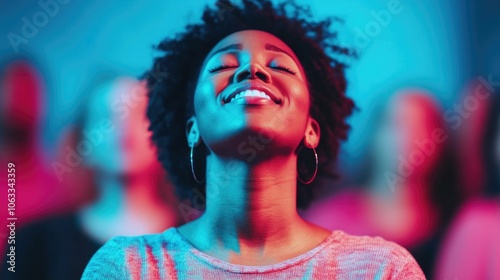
(408, 200)
(251, 204)
(124, 193)
(389, 184)
(128, 205)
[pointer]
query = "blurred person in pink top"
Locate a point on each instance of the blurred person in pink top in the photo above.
(471, 249)
(23, 103)
(411, 190)
(108, 158)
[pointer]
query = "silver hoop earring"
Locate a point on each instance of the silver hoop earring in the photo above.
(192, 167)
(315, 170)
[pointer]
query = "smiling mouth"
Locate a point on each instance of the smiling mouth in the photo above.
(251, 97)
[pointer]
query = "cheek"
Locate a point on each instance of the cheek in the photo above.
(106, 155)
(208, 113)
(300, 106)
(392, 139)
(206, 92)
(289, 122)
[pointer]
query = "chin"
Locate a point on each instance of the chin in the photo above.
(255, 143)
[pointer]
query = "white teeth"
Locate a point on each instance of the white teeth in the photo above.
(249, 92)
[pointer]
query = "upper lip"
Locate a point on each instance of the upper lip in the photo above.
(226, 98)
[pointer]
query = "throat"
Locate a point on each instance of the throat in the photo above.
(254, 251)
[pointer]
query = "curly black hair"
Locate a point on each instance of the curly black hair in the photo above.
(172, 82)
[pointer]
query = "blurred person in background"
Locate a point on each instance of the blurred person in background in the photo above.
(471, 249)
(471, 132)
(23, 101)
(22, 112)
(411, 190)
(111, 151)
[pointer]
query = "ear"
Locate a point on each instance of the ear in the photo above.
(192, 132)
(312, 135)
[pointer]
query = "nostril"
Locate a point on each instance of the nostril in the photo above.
(242, 76)
(262, 76)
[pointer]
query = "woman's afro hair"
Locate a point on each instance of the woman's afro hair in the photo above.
(172, 82)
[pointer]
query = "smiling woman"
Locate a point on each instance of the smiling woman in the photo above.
(268, 77)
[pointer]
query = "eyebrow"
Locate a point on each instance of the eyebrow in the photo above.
(227, 48)
(268, 47)
(273, 48)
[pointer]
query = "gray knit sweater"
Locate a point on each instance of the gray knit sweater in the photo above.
(168, 255)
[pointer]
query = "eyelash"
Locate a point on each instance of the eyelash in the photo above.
(225, 66)
(220, 67)
(286, 69)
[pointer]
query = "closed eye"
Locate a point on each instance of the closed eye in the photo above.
(284, 68)
(221, 67)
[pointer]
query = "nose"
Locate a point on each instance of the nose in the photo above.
(252, 71)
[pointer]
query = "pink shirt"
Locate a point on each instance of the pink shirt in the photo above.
(168, 255)
(471, 249)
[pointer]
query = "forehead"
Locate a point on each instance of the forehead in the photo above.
(253, 39)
